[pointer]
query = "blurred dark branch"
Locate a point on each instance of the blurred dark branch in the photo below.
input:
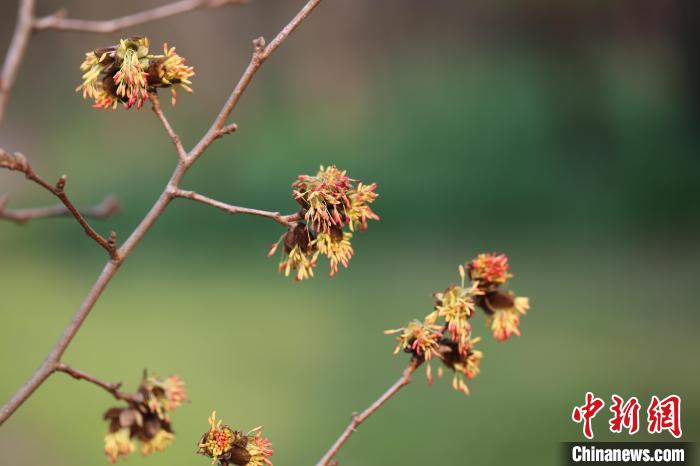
(18, 162)
(358, 419)
(286, 220)
(60, 22)
(217, 129)
(112, 388)
(15, 52)
(107, 208)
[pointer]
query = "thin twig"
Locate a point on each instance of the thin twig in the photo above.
(104, 210)
(168, 194)
(260, 54)
(358, 419)
(286, 220)
(181, 152)
(112, 388)
(15, 52)
(20, 164)
(60, 22)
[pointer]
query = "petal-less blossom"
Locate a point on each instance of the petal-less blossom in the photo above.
(505, 321)
(419, 338)
(159, 442)
(490, 269)
(331, 202)
(227, 446)
(456, 305)
(465, 365)
(118, 444)
(127, 72)
(299, 252)
(336, 246)
(164, 394)
(359, 210)
(131, 78)
(325, 197)
(146, 419)
(260, 448)
(302, 262)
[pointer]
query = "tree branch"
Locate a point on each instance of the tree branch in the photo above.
(358, 419)
(181, 152)
(112, 388)
(260, 54)
(110, 269)
(15, 52)
(18, 162)
(60, 22)
(286, 220)
(105, 209)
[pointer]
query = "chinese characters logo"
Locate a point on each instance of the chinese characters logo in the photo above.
(662, 415)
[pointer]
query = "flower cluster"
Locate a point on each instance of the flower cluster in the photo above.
(333, 207)
(489, 272)
(227, 446)
(127, 72)
(146, 418)
(446, 333)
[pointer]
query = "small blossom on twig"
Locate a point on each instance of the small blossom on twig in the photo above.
(145, 419)
(446, 332)
(489, 269)
(127, 72)
(298, 252)
(330, 202)
(463, 362)
(505, 310)
(336, 246)
(419, 338)
(227, 446)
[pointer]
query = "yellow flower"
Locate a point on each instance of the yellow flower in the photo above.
(490, 269)
(217, 441)
(127, 72)
(159, 442)
(338, 251)
(505, 321)
(164, 393)
(359, 210)
(419, 338)
(456, 305)
(118, 444)
(300, 261)
(225, 445)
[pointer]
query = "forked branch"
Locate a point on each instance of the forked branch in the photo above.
(217, 129)
(18, 162)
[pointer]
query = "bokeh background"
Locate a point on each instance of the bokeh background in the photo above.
(562, 133)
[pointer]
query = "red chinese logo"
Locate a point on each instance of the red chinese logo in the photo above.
(665, 415)
(587, 412)
(625, 415)
(662, 415)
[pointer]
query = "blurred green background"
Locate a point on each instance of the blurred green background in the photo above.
(562, 133)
